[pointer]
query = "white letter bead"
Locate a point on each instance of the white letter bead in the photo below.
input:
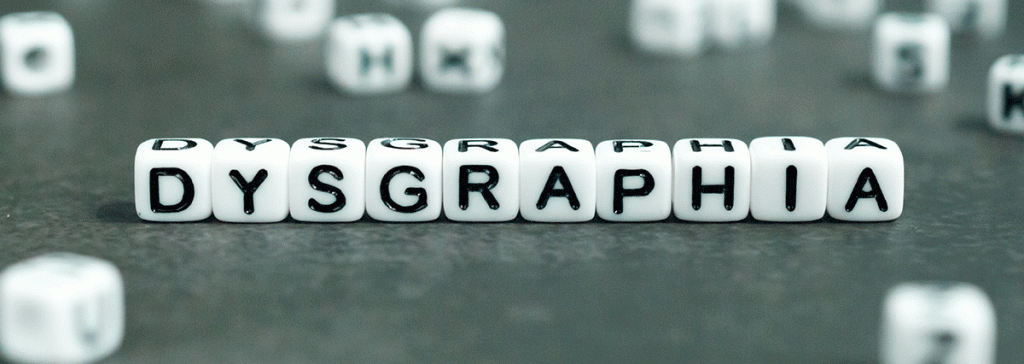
(481, 180)
(712, 180)
(250, 180)
(911, 52)
(37, 53)
(865, 179)
(788, 179)
(403, 179)
(462, 51)
(634, 180)
(293, 20)
(326, 179)
(986, 18)
(948, 323)
(1006, 94)
(742, 23)
(668, 27)
(61, 308)
(841, 14)
(557, 180)
(172, 179)
(369, 54)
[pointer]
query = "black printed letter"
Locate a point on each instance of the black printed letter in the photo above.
(484, 188)
(248, 188)
(558, 176)
(420, 193)
(725, 189)
(314, 181)
(619, 192)
(154, 190)
(867, 177)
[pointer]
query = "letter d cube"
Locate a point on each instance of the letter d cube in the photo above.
(172, 179)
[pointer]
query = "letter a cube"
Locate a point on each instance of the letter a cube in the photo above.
(865, 179)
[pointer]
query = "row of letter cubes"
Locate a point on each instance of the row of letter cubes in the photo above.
(545, 180)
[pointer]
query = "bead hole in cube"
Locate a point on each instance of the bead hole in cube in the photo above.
(36, 59)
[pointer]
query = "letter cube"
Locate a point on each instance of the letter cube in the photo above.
(736, 24)
(462, 51)
(37, 53)
(847, 15)
(788, 179)
(557, 180)
(986, 18)
(911, 52)
(172, 179)
(369, 54)
(60, 308)
(250, 180)
(948, 323)
(403, 179)
(865, 179)
(481, 179)
(326, 179)
(712, 180)
(634, 180)
(668, 27)
(292, 20)
(1006, 94)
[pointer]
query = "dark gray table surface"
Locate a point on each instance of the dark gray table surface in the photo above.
(515, 292)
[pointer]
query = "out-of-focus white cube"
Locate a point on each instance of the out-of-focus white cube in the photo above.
(668, 27)
(37, 53)
(947, 323)
(61, 308)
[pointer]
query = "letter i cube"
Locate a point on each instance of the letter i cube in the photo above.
(788, 179)
(61, 308)
(172, 179)
(37, 53)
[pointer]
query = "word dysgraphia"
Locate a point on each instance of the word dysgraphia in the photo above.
(545, 180)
